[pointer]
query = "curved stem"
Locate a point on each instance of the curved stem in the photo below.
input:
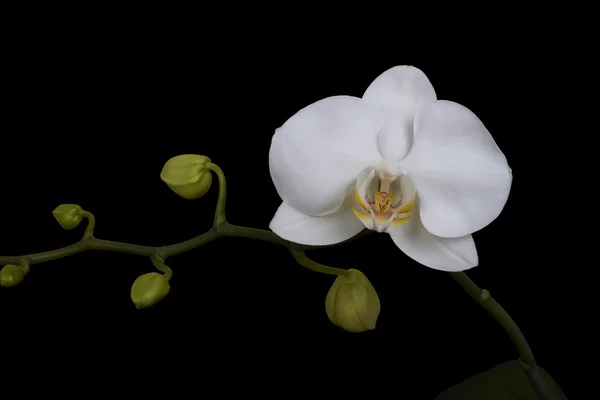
(182, 247)
(220, 210)
(483, 297)
(306, 262)
(89, 230)
(160, 265)
(24, 265)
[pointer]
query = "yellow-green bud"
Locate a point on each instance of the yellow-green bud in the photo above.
(68, 215)
(352, 302)
(11, 275)
(149, 289)
(187, 175)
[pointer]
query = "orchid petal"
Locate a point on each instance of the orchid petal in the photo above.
(462, 178)
(290, 224)
(444, 254)
(318, 153)
(400, 92)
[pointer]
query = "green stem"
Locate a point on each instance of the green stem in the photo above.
(223, 230)
(37, 258)
(119, 247)
(483, 297)
(220, 210)
(159, 263)
(89, 230)
(306, 262)
(227, 229)
(178, 248)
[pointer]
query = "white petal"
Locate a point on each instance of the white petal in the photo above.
(462, 178)
(400, 91)
(319, 152)
(445, 254)
(292, 225)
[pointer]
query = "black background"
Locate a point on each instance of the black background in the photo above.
(91, 118)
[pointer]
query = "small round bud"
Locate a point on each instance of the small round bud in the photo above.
(352, 302)
(187, 175)
(68, 215)
(149, 289)
(11, 275)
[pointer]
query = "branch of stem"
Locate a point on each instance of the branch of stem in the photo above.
(222, 199)
(89, 230)
(160, 265)
(483, 297)
(306, 262)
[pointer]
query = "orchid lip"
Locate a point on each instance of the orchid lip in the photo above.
(385, 200)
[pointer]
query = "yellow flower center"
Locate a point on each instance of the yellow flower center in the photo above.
(384, 201)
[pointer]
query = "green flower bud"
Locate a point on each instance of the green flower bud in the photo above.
(352, 302)
(149, 289)
(68, 215)
(11, 275)
(187, 175)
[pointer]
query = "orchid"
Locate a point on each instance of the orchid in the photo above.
(397, 160)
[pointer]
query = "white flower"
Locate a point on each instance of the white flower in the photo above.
(397, 160)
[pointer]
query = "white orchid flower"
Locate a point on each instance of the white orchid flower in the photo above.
(397, 160)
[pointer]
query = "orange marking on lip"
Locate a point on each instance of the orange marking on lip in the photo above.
(405, 207)
(400, 221)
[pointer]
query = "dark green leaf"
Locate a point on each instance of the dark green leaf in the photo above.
(506, 381)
